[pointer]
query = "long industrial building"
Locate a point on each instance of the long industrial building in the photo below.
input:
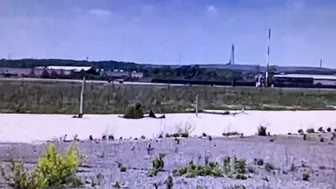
(304, 80)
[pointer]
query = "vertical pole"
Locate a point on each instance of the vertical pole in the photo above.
(268, 58)
(82, 98)
(196, 105)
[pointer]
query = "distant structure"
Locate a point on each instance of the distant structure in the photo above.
(232, 56)
(268, 58)
(320, 63)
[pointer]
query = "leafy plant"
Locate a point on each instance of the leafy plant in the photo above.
(157, 165)
(192, 170)
(52, 170)
(134, 112)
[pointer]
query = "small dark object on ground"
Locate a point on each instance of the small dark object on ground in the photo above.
(289, 133)
(104, 137)
(304, 136)
(210, 138)
(143, 137)
(300, 131)
(204, 134)
(120, 138)
(321, 129)
(259, 162)
(305, 177)
(90, 137)
(111, 137)
(226, 113)
(329, 129)
(310, 130)
(321, 139)
(271, 140)
(78, 116)
(262, 131)
(152, 115)
(123, 169)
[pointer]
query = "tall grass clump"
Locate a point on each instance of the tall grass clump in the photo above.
(53, 170)
(134, 112)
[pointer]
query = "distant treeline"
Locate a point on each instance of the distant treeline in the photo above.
(193, 72)
(173, 73)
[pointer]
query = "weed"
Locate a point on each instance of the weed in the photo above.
(329, 129)
(192, 170)
(116, 185)
(204, 135)
(52, 170)
(169, 182)
(157, 165)
(104, 137)
(268, 167)
(262, 131)
(304, 136)
(111, 137)
(143, 137)
(321, 139)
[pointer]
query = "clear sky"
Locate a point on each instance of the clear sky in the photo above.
(161, 31)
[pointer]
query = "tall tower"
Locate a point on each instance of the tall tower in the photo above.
(232, 56)
(320, 63)
(268, 58)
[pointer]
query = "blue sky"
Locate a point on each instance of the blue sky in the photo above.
(161, 31)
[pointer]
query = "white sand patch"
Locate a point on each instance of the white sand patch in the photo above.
(29, 127)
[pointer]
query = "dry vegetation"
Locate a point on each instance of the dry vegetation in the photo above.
(61, 97)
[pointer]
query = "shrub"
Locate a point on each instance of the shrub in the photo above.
(134, 112)
(329, 129)
(52, 170)
(262, 131)
(157, 165)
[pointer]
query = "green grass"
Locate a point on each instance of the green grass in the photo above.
(58, 97)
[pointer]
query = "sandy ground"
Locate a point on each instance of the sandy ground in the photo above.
(311, 157)
(35, 127)
(290, 156)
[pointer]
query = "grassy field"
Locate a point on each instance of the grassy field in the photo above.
(63, 97)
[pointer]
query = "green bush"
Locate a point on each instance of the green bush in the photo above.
(134, 112)
(53, 169)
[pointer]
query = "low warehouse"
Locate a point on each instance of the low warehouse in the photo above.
(304, 80)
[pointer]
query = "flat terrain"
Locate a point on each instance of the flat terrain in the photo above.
(36, 127)
(288, 158)
(52, 96)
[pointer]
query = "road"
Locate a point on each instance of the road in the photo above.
(145, 83)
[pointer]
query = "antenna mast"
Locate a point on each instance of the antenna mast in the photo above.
(232, 58)
(268, 58)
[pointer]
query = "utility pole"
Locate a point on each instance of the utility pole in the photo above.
(81, 102)
(320, 63)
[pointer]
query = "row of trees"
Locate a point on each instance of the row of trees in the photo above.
(163, 72)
